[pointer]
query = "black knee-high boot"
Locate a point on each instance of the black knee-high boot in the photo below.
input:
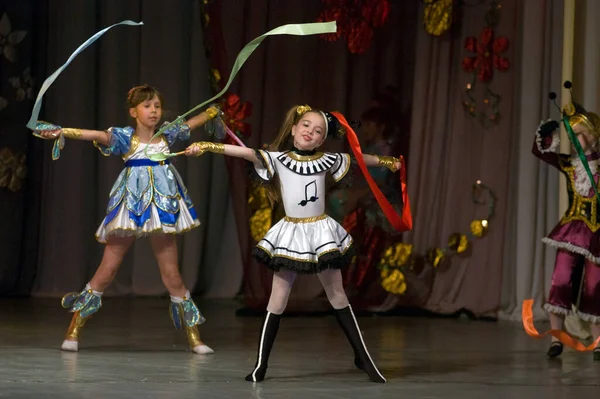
(268, 333)
(362, 359)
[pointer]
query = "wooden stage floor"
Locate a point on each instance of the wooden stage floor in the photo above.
(130, 350)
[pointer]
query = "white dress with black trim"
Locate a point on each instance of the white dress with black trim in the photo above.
(306, 240)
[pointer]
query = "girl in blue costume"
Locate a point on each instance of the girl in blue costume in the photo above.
(148, 198)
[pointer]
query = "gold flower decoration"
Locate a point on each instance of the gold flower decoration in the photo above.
(12, 170)
(8, 39)
(393, 281)
(302, 109)
(23, 84)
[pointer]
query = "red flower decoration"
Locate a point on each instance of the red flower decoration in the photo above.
(334, 14)
(487, 55)
(235, 112)
(375, 13)
(356, 20)
(359, 38)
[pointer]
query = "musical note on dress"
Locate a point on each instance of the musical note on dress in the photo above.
(313, 198)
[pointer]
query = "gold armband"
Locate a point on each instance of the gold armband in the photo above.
(212, 112)
(71, 133)
(388, 162)
(204, 146)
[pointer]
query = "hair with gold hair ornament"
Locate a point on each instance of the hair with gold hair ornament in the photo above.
(573, 111)
(332, 125)
(576, 113)
(302, 109)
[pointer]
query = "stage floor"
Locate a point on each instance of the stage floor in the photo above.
(130, 350)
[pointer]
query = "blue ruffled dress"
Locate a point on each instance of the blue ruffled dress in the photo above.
(148, 197)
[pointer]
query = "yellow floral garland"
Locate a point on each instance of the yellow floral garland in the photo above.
(400, 255)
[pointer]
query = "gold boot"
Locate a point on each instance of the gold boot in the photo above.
(196, 344)
(72, 338)
(185, 314)
(83, 304)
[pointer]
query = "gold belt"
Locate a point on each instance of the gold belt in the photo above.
(305, 220)
(584, 209)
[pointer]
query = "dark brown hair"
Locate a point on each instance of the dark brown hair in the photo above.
(139, 94)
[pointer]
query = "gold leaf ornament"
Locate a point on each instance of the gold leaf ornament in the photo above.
(262, 217)
(396, 255)
(479, 228)
(13, 169)
(458, 243)
(216, 75)
(437, 16)
(6, 166)
(435, 257)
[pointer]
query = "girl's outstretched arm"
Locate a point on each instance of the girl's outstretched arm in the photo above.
(199, 148)
(99, 136)
(202, 117)
(393, 164)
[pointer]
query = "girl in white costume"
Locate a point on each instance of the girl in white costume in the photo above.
(306, 240)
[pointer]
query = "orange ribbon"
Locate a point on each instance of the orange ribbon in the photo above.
(400, 223)
(562, 336)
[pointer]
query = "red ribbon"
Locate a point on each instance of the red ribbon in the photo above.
(400, 223)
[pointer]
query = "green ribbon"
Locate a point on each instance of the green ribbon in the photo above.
(291, 29)
(581, 154)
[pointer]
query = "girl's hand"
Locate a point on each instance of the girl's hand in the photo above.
(49, 134)
(392, 163)
(547, 128)
(200, 147)
(195, 150)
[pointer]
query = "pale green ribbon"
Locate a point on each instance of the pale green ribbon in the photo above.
(291, 29)
(48, 82)
(33, 123)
